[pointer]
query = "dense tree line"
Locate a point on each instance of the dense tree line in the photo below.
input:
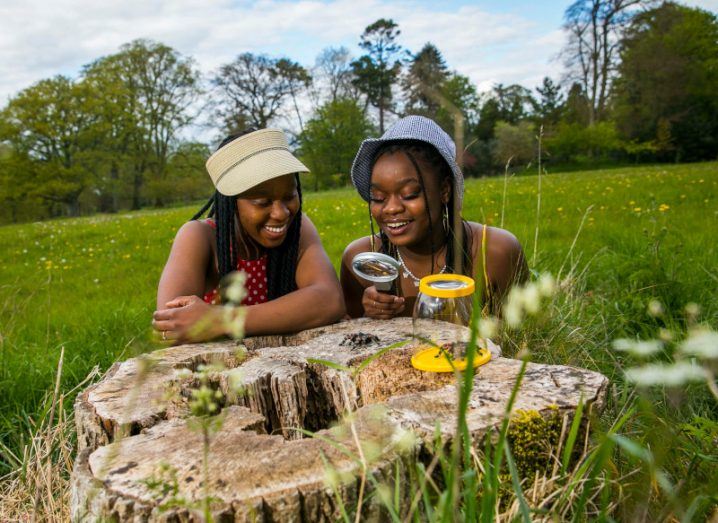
(640, 84)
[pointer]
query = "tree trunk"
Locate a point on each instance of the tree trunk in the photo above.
(132, 430)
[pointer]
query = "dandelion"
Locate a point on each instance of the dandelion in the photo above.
(670, 375)
(702, 343)
(636, 209)
(637, 347)
(663, 207)
(655, 308)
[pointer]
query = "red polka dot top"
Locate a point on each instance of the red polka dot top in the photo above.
(256, 283)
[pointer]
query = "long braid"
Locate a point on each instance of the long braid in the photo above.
(414, 148)
(282, 261)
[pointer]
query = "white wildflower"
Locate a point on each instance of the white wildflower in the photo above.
(665, 335)
(531, 298)
(546, 285)
(655, 308)
(488, 327)
(692, 310)
(670, 375)
(702, 343)
(638, 347)
(513, 313)
(234, 321)
(331, 477)
(236, 291)
(183, 373)
(404, 440)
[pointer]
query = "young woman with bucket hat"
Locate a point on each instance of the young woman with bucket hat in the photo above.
(255, 224)
(415, 189)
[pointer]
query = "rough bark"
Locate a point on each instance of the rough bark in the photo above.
(132, 422)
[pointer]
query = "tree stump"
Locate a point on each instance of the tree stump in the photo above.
(139, 460)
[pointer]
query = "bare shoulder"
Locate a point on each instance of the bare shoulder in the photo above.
(195, 233)
(500, 243)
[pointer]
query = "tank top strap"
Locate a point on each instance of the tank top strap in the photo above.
(485, 287)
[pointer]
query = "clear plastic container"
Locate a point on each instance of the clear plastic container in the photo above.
(442, 314)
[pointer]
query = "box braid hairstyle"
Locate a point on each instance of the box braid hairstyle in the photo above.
(414, 150)
(282, 260)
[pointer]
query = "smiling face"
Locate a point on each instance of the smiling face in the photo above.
(265, 211)
(398, 203)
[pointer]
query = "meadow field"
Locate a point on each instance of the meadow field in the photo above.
(616, 240)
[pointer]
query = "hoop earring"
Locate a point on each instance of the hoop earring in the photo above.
(445, 218)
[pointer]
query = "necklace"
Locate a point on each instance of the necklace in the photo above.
(409, 274)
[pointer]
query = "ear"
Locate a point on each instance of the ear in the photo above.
(445, 191)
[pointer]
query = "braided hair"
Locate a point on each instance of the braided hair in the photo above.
(417, 150)
(282, 260)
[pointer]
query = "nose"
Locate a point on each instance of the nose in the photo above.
(279, 212)
(393, 205)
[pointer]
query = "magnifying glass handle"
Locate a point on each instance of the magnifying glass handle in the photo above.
(383, 286)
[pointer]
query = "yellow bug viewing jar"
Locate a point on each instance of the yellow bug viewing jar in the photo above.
(441, 314)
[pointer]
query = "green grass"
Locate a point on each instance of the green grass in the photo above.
(89, 284)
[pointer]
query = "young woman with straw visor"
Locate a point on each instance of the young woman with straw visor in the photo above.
(414, 190)
(255, 224)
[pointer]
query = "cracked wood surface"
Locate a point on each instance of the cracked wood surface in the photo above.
(133, 421)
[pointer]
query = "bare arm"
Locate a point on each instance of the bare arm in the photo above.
(188, 265)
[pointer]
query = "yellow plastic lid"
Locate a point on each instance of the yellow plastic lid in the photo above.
(447, 285)
(435, 360)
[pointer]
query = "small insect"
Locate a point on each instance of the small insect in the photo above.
(359, 339)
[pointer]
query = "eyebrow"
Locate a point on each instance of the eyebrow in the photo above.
(401, 182)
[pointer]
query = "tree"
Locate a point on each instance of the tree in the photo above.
(514, 102)
(150, 90)
(254, 88)
(331, 139)
(594, 28)
(667, 90)
(50, 127)
(549, 105)
(427, 72)
(376, 72)
(334, 71)
(514, 142)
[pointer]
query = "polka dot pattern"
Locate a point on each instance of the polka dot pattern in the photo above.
(256, 283)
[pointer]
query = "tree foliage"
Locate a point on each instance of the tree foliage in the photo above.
(253, 89)
(594, 28)
(667, 91)
(377, 71)
(331, 139)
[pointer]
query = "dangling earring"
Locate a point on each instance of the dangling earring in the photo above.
(371, 228)
(445, 219)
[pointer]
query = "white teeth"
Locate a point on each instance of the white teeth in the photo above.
(275, 229)
(396, 225)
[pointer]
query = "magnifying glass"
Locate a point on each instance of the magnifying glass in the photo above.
(377, 268)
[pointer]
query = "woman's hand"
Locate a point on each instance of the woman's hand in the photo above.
(187, 319)
(381, 305)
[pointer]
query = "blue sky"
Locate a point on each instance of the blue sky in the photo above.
(489, 41)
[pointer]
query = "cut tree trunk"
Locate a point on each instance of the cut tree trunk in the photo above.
(139, 459)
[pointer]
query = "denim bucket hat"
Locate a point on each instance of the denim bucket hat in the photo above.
(408, 128)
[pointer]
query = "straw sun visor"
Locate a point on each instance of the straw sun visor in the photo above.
(250, 160)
